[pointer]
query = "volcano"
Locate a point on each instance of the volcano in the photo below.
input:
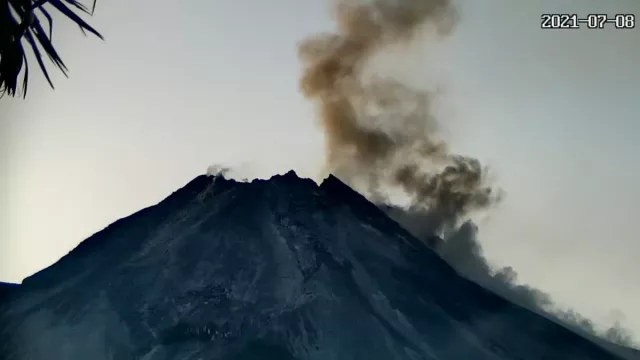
(269, 269)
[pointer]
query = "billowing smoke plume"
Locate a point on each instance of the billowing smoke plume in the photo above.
(381, 132)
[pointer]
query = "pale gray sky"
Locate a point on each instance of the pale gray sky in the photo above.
(178, 86)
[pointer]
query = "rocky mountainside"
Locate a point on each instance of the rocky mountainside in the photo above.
(6, 289)
(272, 269)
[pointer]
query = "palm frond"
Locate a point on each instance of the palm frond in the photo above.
(47, 16)
(20, 23)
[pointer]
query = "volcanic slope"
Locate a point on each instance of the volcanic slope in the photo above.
(272, 269)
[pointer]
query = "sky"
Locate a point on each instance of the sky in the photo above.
(179, 86)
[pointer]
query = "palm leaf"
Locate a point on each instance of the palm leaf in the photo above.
(47, 16)
(36, 52)
(58, 4)
(20, 23)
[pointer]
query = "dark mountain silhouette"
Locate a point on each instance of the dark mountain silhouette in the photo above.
(6, 289)
(272, 269)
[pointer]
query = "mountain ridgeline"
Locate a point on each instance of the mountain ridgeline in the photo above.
(277, 269)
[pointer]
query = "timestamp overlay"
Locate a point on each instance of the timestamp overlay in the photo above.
(589, 21)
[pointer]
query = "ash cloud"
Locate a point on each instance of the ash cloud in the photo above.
(381, 133)
(462, 250)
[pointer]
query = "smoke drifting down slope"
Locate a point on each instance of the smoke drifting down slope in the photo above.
(381, 132)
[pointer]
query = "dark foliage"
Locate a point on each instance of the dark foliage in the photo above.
(28, 24)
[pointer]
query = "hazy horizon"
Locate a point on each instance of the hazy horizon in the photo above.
(175, 89)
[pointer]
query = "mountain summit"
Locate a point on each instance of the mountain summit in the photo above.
(278, 269)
